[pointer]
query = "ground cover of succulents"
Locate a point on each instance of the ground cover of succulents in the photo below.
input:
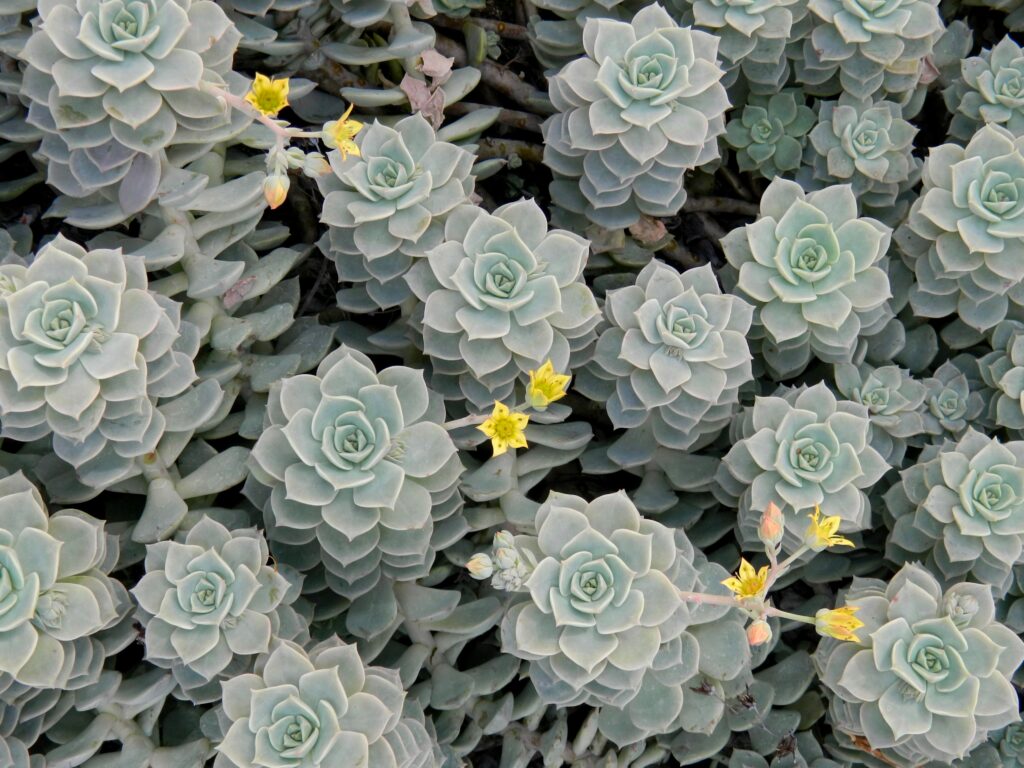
(511, 383)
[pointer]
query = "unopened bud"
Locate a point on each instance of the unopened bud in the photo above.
(315, 165)
(771, 527)
(759, 632)
(275, 189)
(480, 566)
(504, 539)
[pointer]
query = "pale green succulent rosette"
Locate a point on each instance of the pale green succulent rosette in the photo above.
(321, 709)
(815, 273)
(962, 508)
(54, 591)
(875, 46)
(501, 296)
(604, 623)
(895, 403)
(671, 361)
(964, 237)
(753, 36)
(929, 678)
(86, 350)
(952, 404)
(1003, 371)
(990, 90)
(640, 109)
(770, 134)
(869, 145)
(388, 205)
(798, 450)
(208, 601)
(355, 469)
(112, 84)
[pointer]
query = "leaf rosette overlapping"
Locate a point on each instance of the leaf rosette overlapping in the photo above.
(604, 622)
(930, 676)
(112, 83)
(321, 709)
(964, 237)
(208, 600)
(640, 109)
(803, 448)
(674, 355)
(815, 272)
(501, 296)
(962, 508)
(387, 205)
(355, 469)
(54, 588)
(85, 352)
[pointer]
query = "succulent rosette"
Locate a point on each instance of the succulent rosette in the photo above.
(894, 400)
(962, 508)
(387, 205)
(321, 709)
(112, 83)
(814, 271)
(85, 352)
(872, 46)
(672, 358)
(869, 145)
(208, 600)
(770, 134)
(930, 676)
(640, 109)
(1003, 371)
(501, 296)
(353, 471)
(803, 449)
(964, 237)
(989, 90)
(752, 30)
(54, 588)
(952, 404)
(604, 608)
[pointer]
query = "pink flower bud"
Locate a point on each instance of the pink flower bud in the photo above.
(759, 632)
(275, 189)
(771, 527)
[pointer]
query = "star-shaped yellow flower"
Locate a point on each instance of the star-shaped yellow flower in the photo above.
(839, 623)
(339, 134)
(505, 429)
(748, 583)
(546, 386)
(821, 533)
(268, 96)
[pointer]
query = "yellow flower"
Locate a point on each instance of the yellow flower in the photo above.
(821, 534)
(505, 429)
(748, 583)
(839, 623)
(546, 386)
(268, 96)
(339, 134)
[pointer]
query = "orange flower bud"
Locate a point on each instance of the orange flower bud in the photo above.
(275, 189)
(759, 632)
(771, 527)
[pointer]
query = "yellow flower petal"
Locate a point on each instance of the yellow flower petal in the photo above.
(505, 429)
(268, 96)
(748, 583)
(839, 623)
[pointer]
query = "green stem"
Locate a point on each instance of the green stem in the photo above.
(770, 611)
(701, 598)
